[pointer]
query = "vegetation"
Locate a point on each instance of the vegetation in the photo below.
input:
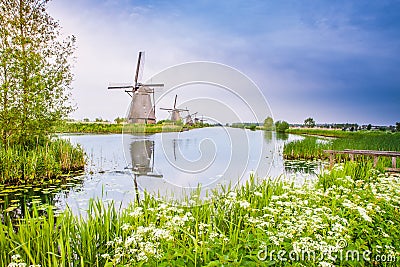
(18, 165)
(35, 78)
(93, 127)
(281, 126)
(35, 69)
(312, 147)
(323, 132)
(309, 122)
(269, 124)
(352, 208)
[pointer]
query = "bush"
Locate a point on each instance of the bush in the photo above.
(281, 126)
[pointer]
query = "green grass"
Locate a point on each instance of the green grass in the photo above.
(80, 127)
(324, 132)
(353, 207)
(310, 148)
(51, 159)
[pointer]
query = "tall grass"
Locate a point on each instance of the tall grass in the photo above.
(310, 148)
(242, 227)
(29, 165)
(79, 127)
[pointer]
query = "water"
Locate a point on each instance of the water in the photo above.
(120, 167)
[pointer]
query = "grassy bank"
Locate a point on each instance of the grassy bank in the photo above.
(322, 132)
(352, 208)
(81, 127)
(312, 148)
(52, 159)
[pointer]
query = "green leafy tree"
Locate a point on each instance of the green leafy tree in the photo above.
(119, 120)
(281, 126)
(369, 126)
(398, 126)
(35, 66)
(268, 124)
(309, 122)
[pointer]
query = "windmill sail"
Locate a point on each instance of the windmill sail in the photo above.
(175, 112)
(141, 109)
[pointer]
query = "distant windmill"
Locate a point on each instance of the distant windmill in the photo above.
(175, 112)
(189, 118)
(141, 109)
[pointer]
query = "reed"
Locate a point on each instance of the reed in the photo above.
(354, 204)
(311, 147)
(79, 127)
(19, 164)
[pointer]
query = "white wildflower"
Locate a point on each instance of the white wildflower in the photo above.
(244, 204)
(258, 194)
(125, 226)
(137, 212)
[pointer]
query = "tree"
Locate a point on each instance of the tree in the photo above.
(369, 126)
(268, 124)
(309, 122)
(398, 126)
(281, 126)
(35, 66)
(119, 120)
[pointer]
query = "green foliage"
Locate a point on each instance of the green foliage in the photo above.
(311, 147)
(252, 127)
(398, 126)
(353, 203)
(268, 124)
(309, 122)
(119, 120)
(52, 159)
(101, 127)
(35, 71)
(281, 126)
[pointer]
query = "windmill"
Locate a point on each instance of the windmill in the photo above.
(189, 118)
(175, 112)
(141, 109)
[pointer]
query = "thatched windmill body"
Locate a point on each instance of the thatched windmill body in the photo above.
(141, 109)
(175, 112)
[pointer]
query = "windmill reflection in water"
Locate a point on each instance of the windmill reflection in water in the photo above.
(142, 161)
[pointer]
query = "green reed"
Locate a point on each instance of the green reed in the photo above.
(311, 148)
(80, 127)
(28, 165)
(232, 226)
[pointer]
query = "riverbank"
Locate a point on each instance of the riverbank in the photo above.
(20, 165)
(312, 147)
(93, 127)
(352, 208)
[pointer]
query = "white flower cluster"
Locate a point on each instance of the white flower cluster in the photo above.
(16, 261)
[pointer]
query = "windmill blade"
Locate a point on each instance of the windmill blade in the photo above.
(176, 96)
(139, 67)
(153, 84)
(169, 109)
(119, 86)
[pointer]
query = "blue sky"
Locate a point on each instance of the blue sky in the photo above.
(336, 61)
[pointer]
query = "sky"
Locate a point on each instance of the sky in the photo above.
(335, 61)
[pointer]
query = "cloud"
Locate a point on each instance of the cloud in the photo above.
(300, 54)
